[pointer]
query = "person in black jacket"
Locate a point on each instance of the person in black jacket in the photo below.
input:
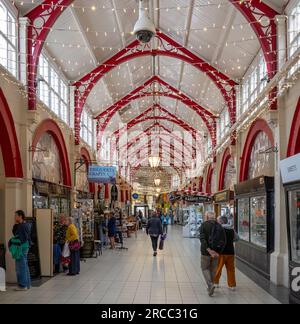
(154, 229)
(209, 257)
(227, 257)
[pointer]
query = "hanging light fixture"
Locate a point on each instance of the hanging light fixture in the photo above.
(154, 161)
(158, 190)
(157, 182)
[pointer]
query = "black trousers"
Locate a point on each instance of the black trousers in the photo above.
(154, 240)
(165, 228)
(74, 266)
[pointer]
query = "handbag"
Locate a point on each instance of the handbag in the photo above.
(66, 251)
(162, 241)
(74, 246)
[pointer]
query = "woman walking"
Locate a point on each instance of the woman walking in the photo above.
(165, 222)
(154, 229)
(227, 257)
(72, 238)
(112, 230)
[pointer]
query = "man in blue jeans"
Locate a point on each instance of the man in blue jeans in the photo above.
(21, 231)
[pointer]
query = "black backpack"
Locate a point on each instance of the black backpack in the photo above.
(217, 240)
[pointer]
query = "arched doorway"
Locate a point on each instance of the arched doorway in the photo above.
(256, 160)
(10, 158)
(9, 142)
(50, 170)
(294, 141)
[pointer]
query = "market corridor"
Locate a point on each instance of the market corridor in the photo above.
(134, 276)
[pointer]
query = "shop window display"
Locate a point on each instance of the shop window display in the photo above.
(259, 221)
(192, 220)
(294, 207)
(261, 163)
(244, 219)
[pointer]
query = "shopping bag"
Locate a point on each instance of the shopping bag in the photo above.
(66, 251)
(162, 241)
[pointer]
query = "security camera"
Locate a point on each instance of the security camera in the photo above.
(144, 29)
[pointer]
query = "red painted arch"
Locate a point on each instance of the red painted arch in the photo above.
(49, 126)
(294, 141)
(200, 189)
(209, 178)
(260, 125)
(9, 142)
(84, 153)
(225, 160)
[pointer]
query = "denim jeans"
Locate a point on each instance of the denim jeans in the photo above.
(22, 270)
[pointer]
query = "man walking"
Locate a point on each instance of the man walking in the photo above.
(213, 241)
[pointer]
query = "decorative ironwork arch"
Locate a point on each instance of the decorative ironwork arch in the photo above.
(9, 142)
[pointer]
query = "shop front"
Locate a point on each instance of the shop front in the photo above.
(48, 189)
(51, 195)
(254, 199)
(193, 214)
(224, 204)
(290, 170)
(255, 222)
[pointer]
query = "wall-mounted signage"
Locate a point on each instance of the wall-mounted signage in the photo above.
(135, 196)
(102, 174)
(197, 199)
(290, 169)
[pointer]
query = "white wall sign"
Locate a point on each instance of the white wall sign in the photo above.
(290, 169)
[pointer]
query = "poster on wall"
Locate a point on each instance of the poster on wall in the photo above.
(102, 174)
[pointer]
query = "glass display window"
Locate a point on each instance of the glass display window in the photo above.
(294, 214)
(261, 163)
(46, 162)
(259, 221)
(244, 219)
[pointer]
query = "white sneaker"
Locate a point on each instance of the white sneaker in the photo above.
(232, 288)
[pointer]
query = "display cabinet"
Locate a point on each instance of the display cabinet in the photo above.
(255, 222)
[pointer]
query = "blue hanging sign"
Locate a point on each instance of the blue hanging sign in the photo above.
(102, 174)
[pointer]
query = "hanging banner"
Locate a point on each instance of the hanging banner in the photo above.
(102, 174)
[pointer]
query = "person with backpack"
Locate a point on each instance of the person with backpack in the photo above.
(213, 241)
(19, 247)
(227, 257)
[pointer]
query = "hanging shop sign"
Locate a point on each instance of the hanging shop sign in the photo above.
(85, 195)
(290, 169)
(41, 187)
(135, 196)
(174, 197)
(197, 199)
(102, 174)
(223, 196)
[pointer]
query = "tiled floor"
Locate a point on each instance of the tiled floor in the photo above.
(134, 276)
